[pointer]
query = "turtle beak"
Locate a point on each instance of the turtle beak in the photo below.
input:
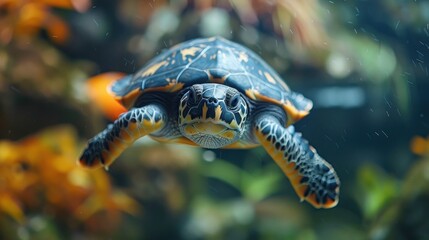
(210, 135)
(208, 128)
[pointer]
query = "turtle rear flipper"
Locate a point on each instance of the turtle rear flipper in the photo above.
(313, 179)
(104, 148)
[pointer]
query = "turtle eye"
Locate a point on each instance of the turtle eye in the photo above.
(232, 99)
(192, 96)
(234, 102)
(195, 94)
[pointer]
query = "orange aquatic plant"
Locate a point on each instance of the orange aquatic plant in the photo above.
(39, 175)
(420, 145)
(25, 18)
(98, 91)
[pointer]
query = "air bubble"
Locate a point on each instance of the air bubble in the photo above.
(209, 156)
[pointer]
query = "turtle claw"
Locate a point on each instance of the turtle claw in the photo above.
(321, 184)
(92, 156)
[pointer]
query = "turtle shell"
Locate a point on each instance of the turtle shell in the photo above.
(212, 60)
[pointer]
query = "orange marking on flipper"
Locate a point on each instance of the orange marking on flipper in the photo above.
(288, 169)
(330, 203)
(295, 180)
(107, 158)
(146, 123)
(108, 155)
(124, 135)
(84, 163)
(133, 129)
(312, 199)
(115, 147)
(97, 90)
(157, 125)
(300, 190)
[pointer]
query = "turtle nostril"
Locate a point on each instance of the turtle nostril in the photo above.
(212, 100)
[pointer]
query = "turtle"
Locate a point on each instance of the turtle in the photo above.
(216, 94)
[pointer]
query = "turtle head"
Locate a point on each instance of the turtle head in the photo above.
(212, 115)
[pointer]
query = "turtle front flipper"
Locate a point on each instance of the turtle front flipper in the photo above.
(313, 179)
(104, 148)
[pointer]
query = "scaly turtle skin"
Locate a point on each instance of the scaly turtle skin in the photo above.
(215, 93)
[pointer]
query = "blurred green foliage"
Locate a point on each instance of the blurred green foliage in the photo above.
(375, 190)
(255, 183)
